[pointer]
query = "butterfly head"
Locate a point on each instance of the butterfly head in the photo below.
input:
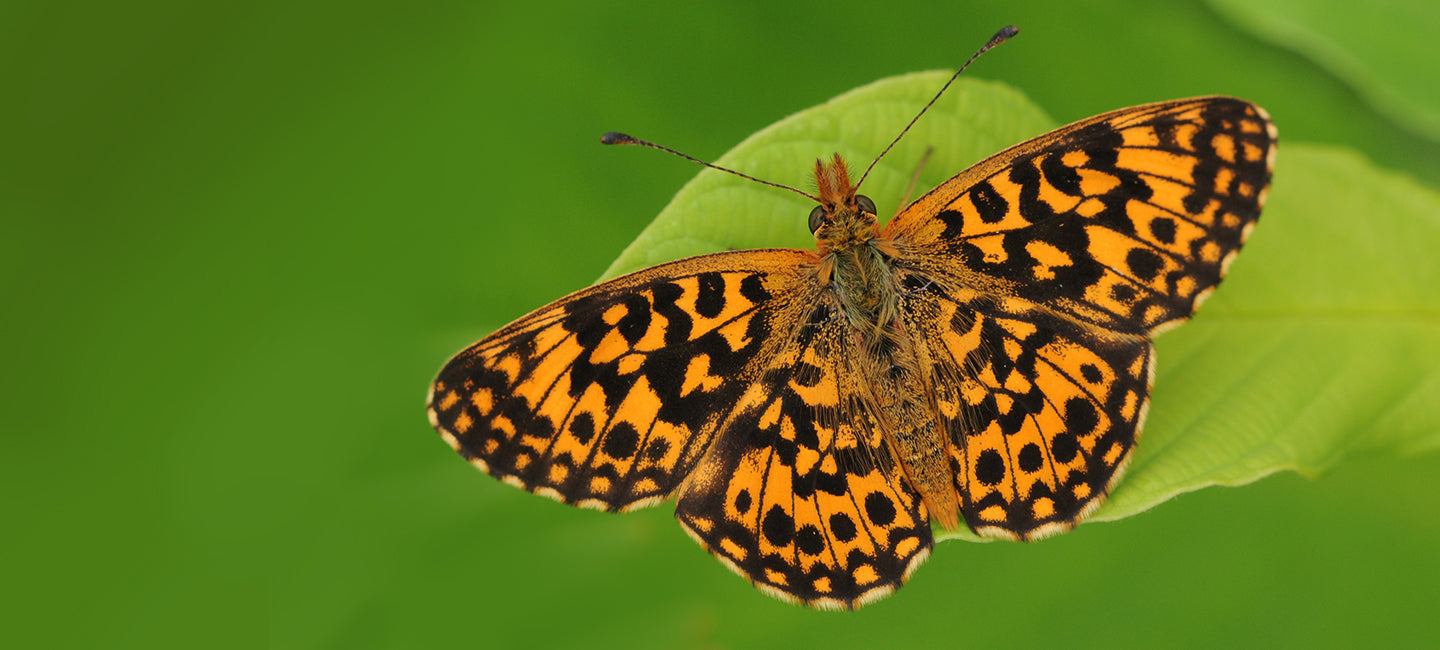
(843, 219)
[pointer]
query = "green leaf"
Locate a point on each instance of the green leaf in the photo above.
(1323, 342)
(1384, 49)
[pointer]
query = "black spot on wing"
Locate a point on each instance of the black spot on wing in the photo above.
(678, 323)
(778, 526)
(1144, 264)
(1031, 459)
(990, 467)
(1064, 446)
(1163, 229)
(636, 321)
(880, 509)
(656, 449)
(621, 441)
(711, 298)
(753, 289)
(1027, 175)
(582, 426)
(810, 540)
(954, 221)
(743, 501)
(991, 207)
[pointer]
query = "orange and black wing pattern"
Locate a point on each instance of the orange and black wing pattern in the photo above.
(1048, 267)
(608, 398)
(799, 493)
(1041, 411)
(1125, 220)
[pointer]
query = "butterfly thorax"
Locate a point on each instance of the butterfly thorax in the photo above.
(891, 372)
(852, 264)
(859, 273)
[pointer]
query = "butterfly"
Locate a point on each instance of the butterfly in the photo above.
(983, 357)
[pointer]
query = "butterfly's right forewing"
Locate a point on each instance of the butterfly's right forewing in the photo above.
(1125, 220)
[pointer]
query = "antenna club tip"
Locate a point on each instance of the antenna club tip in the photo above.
(614, 137)
(1003, 35)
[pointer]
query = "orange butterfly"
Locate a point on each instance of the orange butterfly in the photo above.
(985, 355)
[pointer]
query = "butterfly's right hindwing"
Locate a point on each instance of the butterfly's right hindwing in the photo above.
(608, 398)
(1042, 412)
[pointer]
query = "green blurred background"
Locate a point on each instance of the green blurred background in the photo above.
(239, 239)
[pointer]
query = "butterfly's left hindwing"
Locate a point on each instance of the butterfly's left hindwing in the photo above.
(798, 493)
(608, 398)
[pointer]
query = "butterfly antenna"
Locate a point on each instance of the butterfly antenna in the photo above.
(1000, 37)
(621, 138)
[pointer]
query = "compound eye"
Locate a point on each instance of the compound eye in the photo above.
(865, 204)
(817, 217)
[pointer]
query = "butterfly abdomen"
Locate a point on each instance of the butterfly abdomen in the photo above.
(898, 378)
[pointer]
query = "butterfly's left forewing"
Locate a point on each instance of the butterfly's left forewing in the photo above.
(609, 397)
